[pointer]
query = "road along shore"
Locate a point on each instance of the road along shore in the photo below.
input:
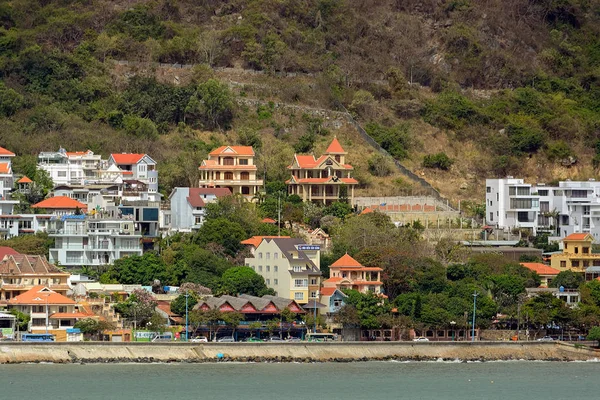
(107, 352)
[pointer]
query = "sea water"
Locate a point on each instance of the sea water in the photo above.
(316, 381)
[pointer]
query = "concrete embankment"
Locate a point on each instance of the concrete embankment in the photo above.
(98, 352)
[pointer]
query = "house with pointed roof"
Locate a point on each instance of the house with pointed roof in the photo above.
(546, 273)
(321, 180)
(289, 266)
(49, 311)
(577, 254)
(347, 273)
(20, 273)
(139, 167)
(188, 205)
(253, 242)
(60, 205)
(6, 182)
(231, 167)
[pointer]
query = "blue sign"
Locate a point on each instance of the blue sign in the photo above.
(73, 330)
(307, 247)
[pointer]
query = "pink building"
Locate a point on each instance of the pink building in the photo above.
(347, 273)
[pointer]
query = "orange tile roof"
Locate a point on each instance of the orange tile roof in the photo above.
(127, 158)
(24, 180)
(335, 147)
(69, 315)
(327, 291)
(78, 153)
(334, 279)
(256, 240)
(577, 236)
(4, 152)
(346, 261)
(350, 181)
(366, 269)
(40, 295)
(541, 269)
(366, 211)
(61, 202)
(235, 150)
(4, 168)
(268, 221)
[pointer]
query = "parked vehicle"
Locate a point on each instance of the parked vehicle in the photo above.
(293, 339)
(166, 337)
(275, 339)
(420, 339)
(199, 339)
(37, 337)
(253, 339)
(546, 339)
(226, 339)
(321, 337)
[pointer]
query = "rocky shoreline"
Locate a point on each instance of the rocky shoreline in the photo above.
(104, 353)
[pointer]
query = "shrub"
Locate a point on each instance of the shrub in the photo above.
(439, 161)
(394, 140)
(559, 150)
(140, 127)
(10, 101)
(379, 165)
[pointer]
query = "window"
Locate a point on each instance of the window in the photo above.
(276, 255)
(275, 281)
(260, 268)
(243, 161)
(228, 176)
(543, 192)
(268, 281)
(62, 174)
(275, 268)
(576, 250)
(62, 309)
(489, 189)
(260, 256)
(520, 203)
(268, 268)
(300, 282)
(228, 161)
(313, 281)
(579, 193)
(585, 250)
(297, 268)
(298, 296)
(245, 176)
(268, 255)
(575, 263)
(313, 294)
(491, 216)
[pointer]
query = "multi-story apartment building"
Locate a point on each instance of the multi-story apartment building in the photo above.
(66, 167)
(321, 179)
(20, 273)
(576, 255)
(21, 224)
(347, 273)
(187, 206)
(80, 241)
(289, 266)
(7, 204)
(231, 167)
(140, 167)
(570, 207)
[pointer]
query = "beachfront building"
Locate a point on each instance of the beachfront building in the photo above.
(60, 205)
(188, 204)
(570, 207)
(546, 273)
(23, 224)
(50, 312)
(70, 168)
(20, 273)
(289, 266)
(347, 273)
(231, 167)
(321, 180)
(80, 241)
(577, 254)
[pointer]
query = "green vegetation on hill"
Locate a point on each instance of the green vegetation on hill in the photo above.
(509, 80)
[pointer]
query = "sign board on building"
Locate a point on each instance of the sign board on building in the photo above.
(309, 247)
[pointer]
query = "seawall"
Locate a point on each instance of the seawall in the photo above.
(98, 352)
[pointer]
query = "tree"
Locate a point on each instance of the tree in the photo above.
(178, 305)
(594, 334)
(213, 104)
(568, 279)
(211, 318)
(22, 319)
(243, 280)
(93, 327)
(139, 307)
(368, 306)
(10, 101)
(254, 326)
(144, 270)
(289, 317)
(233, 320)
(224, 232)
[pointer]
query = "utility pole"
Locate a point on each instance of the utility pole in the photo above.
(279, 214)
(187, 294)
(474, 310)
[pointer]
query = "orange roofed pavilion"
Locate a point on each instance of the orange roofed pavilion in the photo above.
(347, 273)
(319, 179)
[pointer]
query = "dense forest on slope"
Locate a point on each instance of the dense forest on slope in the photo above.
(459, 90)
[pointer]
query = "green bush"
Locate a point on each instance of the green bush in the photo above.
(379, 165)
(10, 101)
(439, 161)
(394, 140)
(140, 127)
(558, 150)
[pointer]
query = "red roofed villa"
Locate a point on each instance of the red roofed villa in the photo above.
(347, 273)
(60, 205)
(231, 167)
(545, 272)
(319, 180)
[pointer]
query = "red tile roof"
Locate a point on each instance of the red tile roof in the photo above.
(256, 240)
(577, 236)
(5, 251)
(268, 221)
(4, 168)
(335, 147)
(346, 261)
(541, 269)
(40, 295)
(327, 291)
(334, 279)
(4, 152)
(350, 181)
(233, 150)
(60, 202)
(77, 153)
(366, 211)
(69, 315)
(24, 180)
(127, 158)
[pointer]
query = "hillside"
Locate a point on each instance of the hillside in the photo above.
(503, 87)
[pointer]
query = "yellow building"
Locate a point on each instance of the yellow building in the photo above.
(577, 254)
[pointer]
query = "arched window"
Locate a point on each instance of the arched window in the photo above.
(228, 161)
(228, 176)
(245, 176)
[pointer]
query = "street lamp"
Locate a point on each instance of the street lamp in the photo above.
(134, 306)
(474, 310)
(186, 315)
(315, 304)
(452, 323)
